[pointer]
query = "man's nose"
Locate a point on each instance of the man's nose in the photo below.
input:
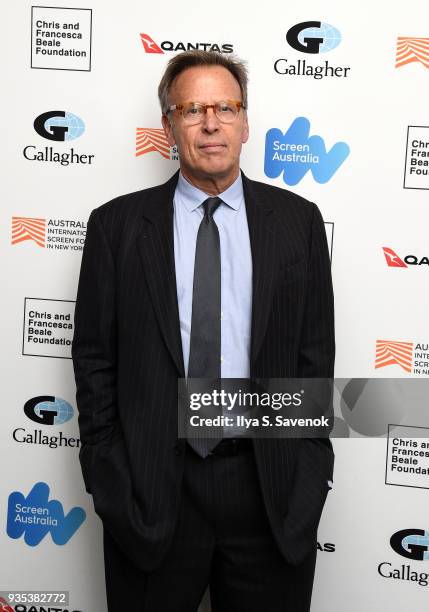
(210, 122)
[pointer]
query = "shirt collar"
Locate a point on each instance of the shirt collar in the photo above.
(193, 197)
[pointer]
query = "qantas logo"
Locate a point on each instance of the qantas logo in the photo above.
(4, 606)
(150, 46)
(389, 352)
(28, 228)
(410, 49)
(394, 261)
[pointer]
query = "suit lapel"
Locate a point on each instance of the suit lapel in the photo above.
(155, 243)
(263, 243)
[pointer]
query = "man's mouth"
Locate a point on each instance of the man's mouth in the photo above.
(212, 146)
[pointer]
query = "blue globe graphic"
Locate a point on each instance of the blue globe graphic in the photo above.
(331, 36)
(63, 409)
(75, 126)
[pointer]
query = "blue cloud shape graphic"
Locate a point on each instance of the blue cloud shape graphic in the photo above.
(33, 533)
(296, 152)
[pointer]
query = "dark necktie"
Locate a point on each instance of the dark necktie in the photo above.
(205, 344)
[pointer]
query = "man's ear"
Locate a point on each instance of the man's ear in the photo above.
(168, 130)
(245, 135)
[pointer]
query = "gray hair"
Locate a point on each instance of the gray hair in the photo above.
(189, 59)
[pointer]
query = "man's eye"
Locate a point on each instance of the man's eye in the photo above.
(193, 110)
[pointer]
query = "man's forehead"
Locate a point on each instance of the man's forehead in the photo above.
(206, 81)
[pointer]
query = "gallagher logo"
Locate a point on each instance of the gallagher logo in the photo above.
(409, 49)
(312, 38)
(150, 46)
(394, 261)
(34, 517)
(48, 410)
(411, 544)
(154, 139)
(296, 152)
(58, 126)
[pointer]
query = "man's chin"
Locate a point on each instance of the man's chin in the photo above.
(215, 170)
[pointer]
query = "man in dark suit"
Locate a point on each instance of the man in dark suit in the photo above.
(210, 274)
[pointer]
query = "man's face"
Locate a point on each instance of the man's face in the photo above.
(211, 149)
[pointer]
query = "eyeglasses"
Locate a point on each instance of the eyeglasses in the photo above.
(193, 112)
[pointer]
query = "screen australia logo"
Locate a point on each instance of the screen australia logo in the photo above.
(34, 516)
(296, 152)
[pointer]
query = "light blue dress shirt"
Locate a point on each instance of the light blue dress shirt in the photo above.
(236, 271)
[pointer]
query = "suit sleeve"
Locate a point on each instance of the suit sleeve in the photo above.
(94, 344)
(317, 347)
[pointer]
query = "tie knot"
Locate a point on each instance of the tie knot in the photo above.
(210, 205)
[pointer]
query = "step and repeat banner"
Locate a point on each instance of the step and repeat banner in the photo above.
(338, 114)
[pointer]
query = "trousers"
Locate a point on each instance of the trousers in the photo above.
(222, 540)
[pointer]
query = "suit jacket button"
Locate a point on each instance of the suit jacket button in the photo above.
(178, 448)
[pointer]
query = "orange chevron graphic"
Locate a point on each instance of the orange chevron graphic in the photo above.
(390, 352)
(148, 139)
(28, 228)
(412, 50)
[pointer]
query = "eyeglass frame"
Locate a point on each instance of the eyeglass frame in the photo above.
(238, 103)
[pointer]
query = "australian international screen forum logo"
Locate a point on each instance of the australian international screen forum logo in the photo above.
(309, 40)
(54, 234)
(411, 49)
(149, 140)
(411, 357)
(166, 46)
(295, 152)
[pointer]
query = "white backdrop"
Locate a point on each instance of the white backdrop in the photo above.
(108, 83)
